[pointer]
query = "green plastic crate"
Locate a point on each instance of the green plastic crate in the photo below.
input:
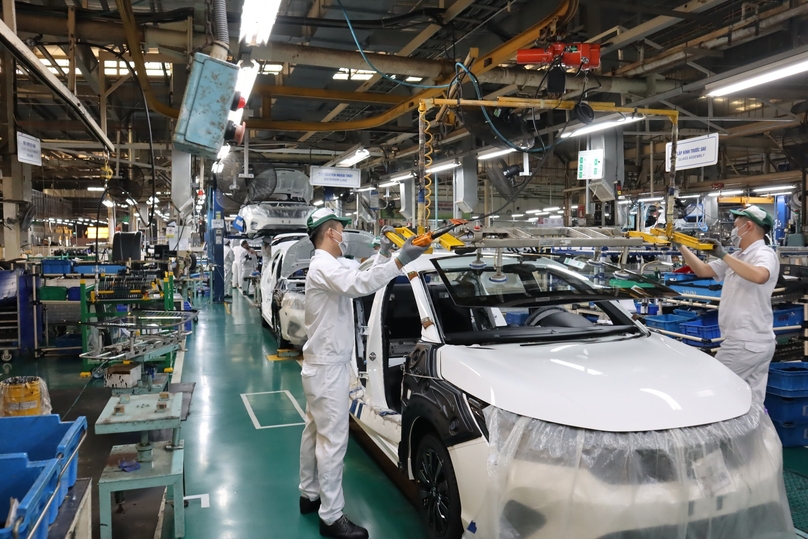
(52, 293)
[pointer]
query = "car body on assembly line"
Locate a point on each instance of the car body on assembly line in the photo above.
(524, 401)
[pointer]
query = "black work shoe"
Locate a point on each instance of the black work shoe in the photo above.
(308, 506)
(343, 529)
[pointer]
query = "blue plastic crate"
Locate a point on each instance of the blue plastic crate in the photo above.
(668, 322)
(690, 315)
(32, 483)
(701, 287)
(789, 316)
(787, 409)
(56, 267)
(42, 438)
(791, 434)
(700, 344)
(787, 378)
(74, 293)
(703, 328)
(679, 277)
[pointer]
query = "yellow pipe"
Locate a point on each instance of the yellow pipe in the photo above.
(130, 30)
(484, 64)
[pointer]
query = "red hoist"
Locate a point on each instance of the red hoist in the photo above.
(584, 56)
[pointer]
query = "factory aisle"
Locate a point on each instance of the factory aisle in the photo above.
(242, 441)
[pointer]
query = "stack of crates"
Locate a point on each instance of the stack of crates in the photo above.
(787, 402)
(35, 460)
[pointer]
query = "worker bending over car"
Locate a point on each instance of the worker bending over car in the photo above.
(327, 356)
(745, 311)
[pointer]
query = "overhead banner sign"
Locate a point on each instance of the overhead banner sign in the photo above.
(590, 165)
(693, 152)
(29, 149)
(335, 177)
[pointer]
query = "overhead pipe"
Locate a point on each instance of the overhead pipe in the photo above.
(754, 28)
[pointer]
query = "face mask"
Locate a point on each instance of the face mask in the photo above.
(735, 237)
(343, 245)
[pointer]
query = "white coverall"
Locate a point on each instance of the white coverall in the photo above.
(745, 317)
(228, 269)
(248, 262)
(237, 250)
(327, 356)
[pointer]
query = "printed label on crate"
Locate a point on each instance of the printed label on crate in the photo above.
(711, 473)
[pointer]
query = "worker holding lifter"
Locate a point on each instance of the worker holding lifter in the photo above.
(327, 355)
(745, 312)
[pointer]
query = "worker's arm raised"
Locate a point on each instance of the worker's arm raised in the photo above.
(753, 272)
(351, 282)
(700, 268)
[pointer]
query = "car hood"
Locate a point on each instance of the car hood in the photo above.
(639, 384)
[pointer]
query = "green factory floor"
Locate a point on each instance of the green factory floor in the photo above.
(242, 442)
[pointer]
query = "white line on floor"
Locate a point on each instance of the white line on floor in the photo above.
(204, 499)
(179, 362)
(254, 419)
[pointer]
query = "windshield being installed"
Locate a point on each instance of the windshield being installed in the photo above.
(527, 300)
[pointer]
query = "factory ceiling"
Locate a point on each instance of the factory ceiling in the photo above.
(316, 96)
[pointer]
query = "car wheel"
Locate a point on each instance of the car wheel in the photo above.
(438, 497)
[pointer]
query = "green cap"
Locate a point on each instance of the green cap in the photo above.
(377, 241)
(320, 216)
(758, 216)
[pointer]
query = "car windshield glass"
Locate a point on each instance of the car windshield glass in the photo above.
(530, 300)
(534, 281)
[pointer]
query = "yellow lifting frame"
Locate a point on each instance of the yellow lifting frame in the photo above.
(658, 236)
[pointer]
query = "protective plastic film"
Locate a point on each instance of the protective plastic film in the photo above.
(24, 396)
(718, 481)
(292, 315)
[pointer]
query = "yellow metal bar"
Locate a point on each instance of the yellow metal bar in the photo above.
(648, 238)
(449, 242)
(332, 95)
(691, 242)
(745, 200)
(516, 102)
(402, 235)
(658, 236)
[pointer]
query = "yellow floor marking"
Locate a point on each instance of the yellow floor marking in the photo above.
(227, 308)
(279, 358)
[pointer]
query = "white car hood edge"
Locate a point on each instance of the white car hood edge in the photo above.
(634, 385)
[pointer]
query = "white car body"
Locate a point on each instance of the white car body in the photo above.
(410, 383)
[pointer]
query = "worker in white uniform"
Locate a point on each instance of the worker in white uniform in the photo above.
(228, 268)
(327, 356)
(745, 312)
(249, 261)
(236, 267)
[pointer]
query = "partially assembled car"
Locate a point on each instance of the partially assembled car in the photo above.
(524, 401)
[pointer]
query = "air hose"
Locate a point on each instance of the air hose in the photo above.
(427, 164)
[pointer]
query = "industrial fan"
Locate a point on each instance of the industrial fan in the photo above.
(130, 185)
(26, 212)
(257, 185)
(501, 175)
(509, 124)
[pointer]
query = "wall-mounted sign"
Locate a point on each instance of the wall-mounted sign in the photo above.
(693, 152)
(29, 149)
(335, 177)
(590, 165)
(217, 223)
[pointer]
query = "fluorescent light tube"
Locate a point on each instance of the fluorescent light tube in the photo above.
(402, 177)
(574, 207)
(318, 202)
(493, 216)
(517, 215)
(358, 156)
(389, 184)
(223, 151)
(100, 189)
(553, 208)
(442, 167)
(623, 202)
(108, 203)
(246, 78)
(533, 211)
(729, 193)
(364, 189)
(257, 20)
(496, 153)
(650, 199)
(601, 126)
(689, 196)
(768, 76)
(772, 189)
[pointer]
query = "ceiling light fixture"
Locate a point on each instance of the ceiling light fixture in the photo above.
(553, 208)
(257, 20)
(353, 158)
(108, 203)
(99, 189)
(602, 126)
(729, 193)
(773, 189)
(755, 77)
(515, 215)
(623, 202)
(495, 153)
(318, 203)
(650, 199)
(443, 166)
(364, 189)
(402, 177)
